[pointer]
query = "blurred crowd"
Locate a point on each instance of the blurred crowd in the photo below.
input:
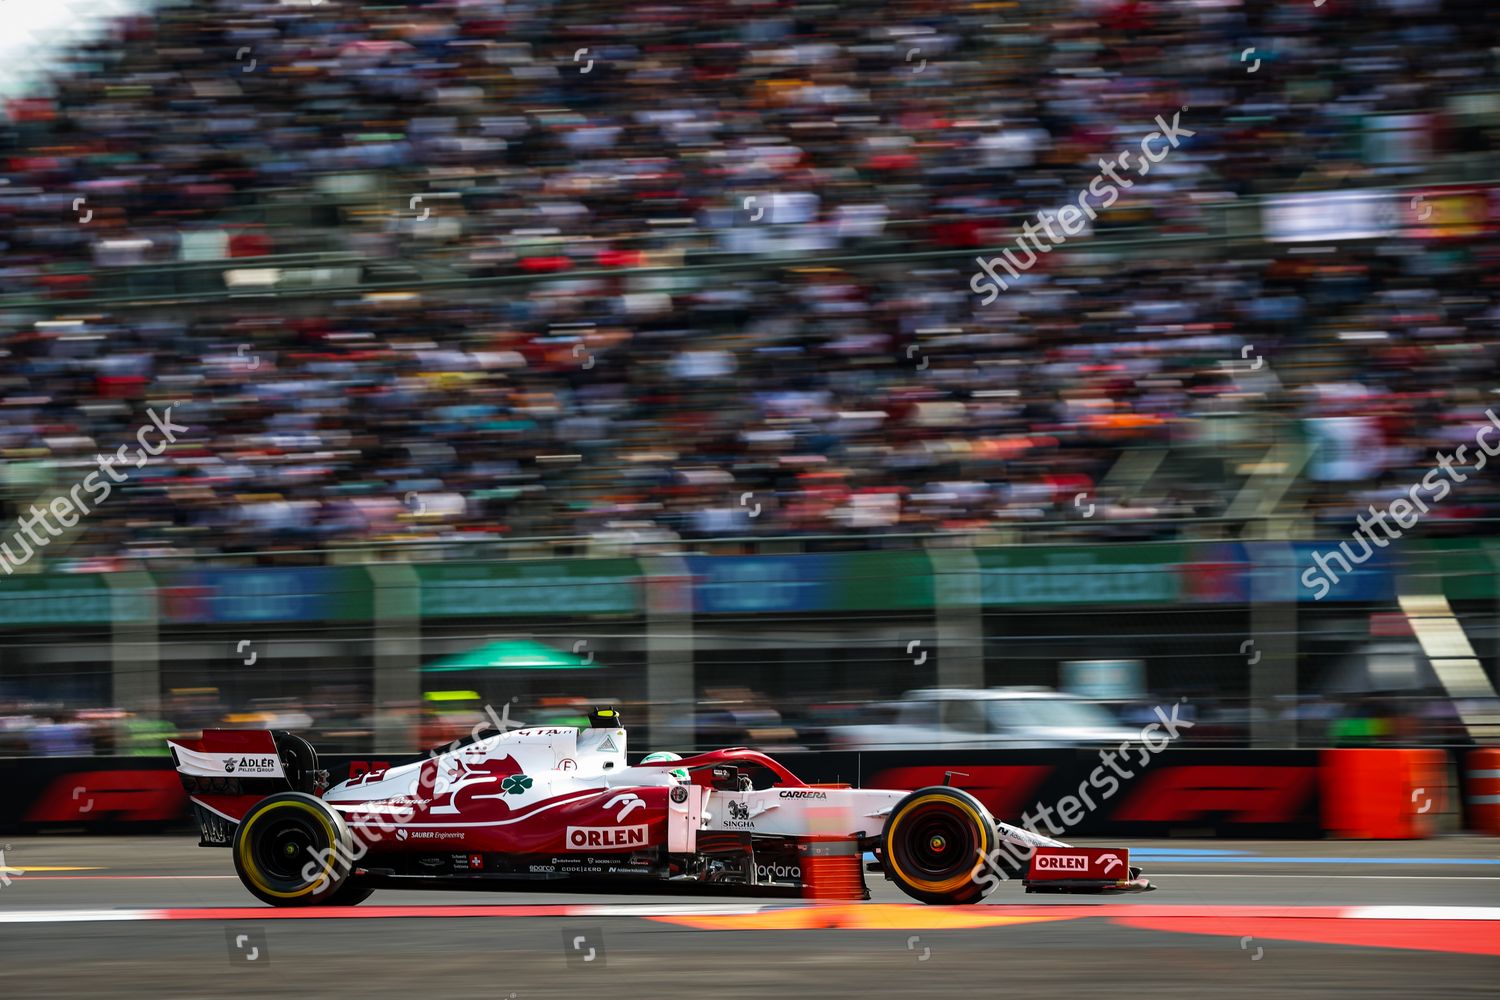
(53, 730)
(773, 407)
(878, 397)
(718, 718)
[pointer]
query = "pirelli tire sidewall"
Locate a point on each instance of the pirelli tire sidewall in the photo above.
(933, 842)
(353, 892)
(277, 840)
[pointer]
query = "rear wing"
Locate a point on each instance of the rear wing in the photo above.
(226, 771)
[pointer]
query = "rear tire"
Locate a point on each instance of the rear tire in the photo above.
(933, 842)
(351, 893)
(292, 849)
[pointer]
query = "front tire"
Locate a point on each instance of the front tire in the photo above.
(292, 849)
(933, 842)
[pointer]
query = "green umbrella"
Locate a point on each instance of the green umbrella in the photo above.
(510, 654)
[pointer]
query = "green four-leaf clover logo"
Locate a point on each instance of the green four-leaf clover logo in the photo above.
(515, 784)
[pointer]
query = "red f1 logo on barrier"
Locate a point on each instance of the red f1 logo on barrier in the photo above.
(1238, 793)
(138, 796)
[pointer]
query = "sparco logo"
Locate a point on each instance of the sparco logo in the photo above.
(605, 836)
(804, 795)
(1062, 862)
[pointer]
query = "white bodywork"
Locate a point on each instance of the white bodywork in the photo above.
(561, 761)
(558, 760)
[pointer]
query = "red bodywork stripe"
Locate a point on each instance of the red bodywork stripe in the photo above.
(246, 741)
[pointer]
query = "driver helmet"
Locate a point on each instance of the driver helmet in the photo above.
(660, 755)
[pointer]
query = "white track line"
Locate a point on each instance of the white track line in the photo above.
(76, 916)
(1423, 913)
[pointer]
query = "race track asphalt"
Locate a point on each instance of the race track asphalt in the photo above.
(158, 917)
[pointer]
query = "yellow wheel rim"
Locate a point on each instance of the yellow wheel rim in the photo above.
(252, 870)
(927, 885)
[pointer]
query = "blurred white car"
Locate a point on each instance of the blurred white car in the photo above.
(958, 718)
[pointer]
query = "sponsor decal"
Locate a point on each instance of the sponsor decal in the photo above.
(679, 794)
(516, 784)
(779, 872)
(432, 834)
(252, 765)
(739, 816)
(402, 834)
(1088, 863)
(247, 753)
(584, 837)
(543, 869)
(798, 794)
(628, 803)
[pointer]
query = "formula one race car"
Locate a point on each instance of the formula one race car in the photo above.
(553, 807)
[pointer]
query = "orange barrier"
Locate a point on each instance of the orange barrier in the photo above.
(831, 869)
(1482, 789)
(1382, 794)
(832, 864)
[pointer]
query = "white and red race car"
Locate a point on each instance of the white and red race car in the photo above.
(553, 807)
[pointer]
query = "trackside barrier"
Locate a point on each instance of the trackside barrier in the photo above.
(831, 869)
(1482, 789)
(1380, 794)
(1180, 792)
(831, 866)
